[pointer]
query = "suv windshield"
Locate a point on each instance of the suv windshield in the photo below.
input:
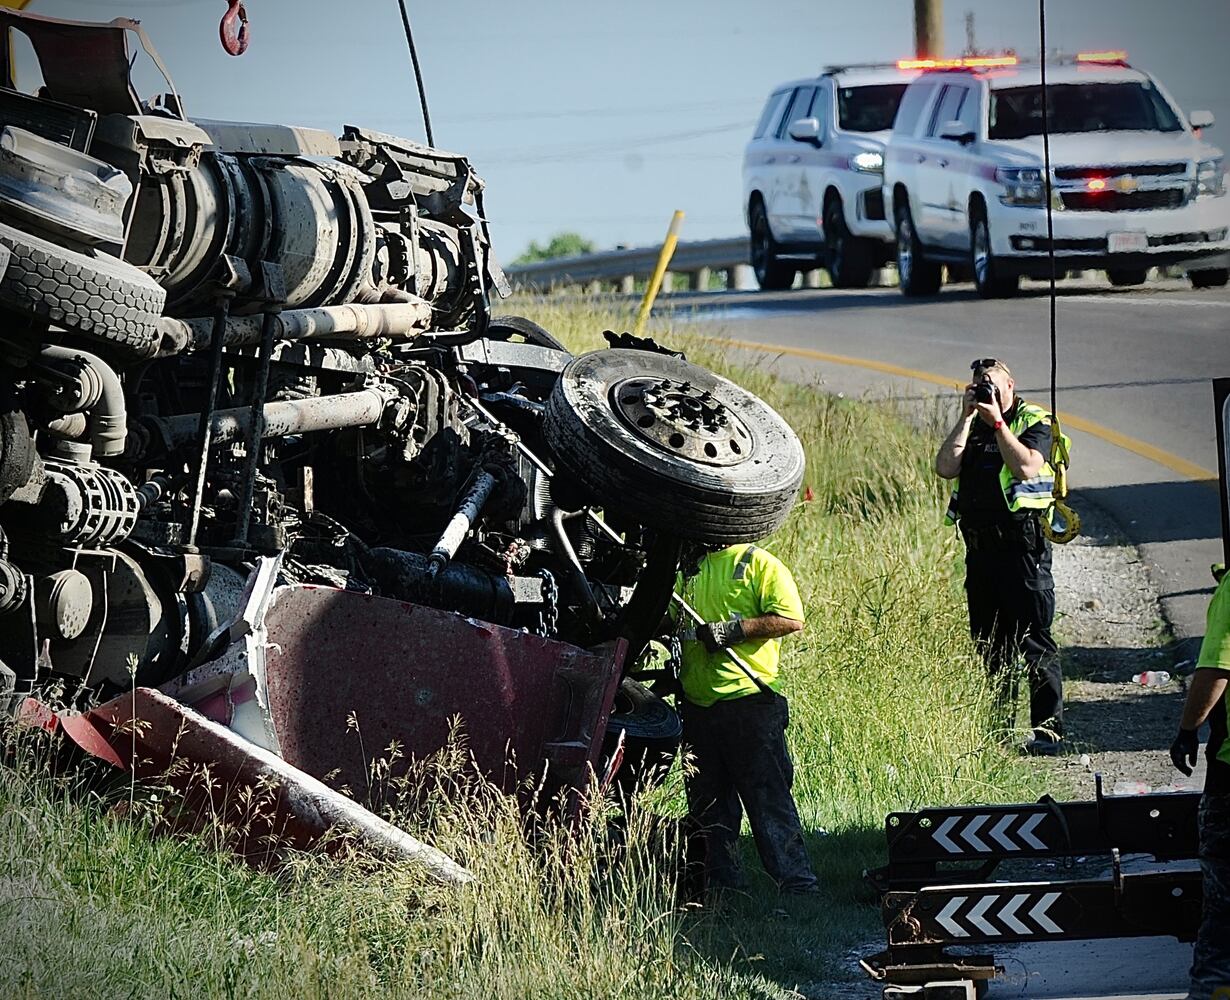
(868, 109)
(1081, 107)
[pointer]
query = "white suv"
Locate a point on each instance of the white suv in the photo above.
(1133, 184)
(812, 176)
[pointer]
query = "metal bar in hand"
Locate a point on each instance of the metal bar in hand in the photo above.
(735, 658)
(655, 283)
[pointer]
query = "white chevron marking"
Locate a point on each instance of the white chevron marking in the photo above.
(1026, 832)
(999, 832)
(975, 916)
(941, 835)
(1008, 914)
(945, 917)
(1039, 913)
(970, 834)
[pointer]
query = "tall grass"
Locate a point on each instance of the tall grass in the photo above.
(889, 710)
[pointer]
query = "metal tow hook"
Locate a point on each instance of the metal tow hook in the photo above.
(234, 30)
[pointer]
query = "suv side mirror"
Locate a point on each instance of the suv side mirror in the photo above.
(957, 132)
(806, 130)
(1201, 119)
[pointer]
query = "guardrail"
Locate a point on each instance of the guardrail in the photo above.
(620, 269)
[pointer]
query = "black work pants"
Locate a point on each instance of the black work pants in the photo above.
(741, 762)
(1211, 956)
(1011, 598)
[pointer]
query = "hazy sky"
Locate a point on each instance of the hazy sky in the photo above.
(603, 118)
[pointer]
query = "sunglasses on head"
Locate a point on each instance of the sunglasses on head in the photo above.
(983, 363)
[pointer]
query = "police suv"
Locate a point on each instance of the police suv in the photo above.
(812, 176)
(1133, 184)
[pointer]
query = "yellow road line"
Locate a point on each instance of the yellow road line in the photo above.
(1145, 450)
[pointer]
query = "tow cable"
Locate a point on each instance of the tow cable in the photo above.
(1059, 444)
(234, 31)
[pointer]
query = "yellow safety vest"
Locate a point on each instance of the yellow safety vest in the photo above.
(1036, 493)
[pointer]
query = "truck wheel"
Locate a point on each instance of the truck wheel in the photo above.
(771, 274)
(1215, 278)
(674, 446)
(652, 732)
(988, 281)
(917, 275)
(1125, 276)
(848, 257)
(93, 294)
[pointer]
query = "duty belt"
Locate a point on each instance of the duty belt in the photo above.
(994, 536)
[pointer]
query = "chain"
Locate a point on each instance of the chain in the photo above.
(548, 618)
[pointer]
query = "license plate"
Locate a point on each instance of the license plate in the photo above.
(1127, 242)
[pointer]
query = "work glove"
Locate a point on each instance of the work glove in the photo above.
(1184, 749)
(720, 635)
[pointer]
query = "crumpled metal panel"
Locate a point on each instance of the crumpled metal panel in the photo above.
(256, 803)
(528, 706)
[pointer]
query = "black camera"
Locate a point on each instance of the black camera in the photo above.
(986, 392)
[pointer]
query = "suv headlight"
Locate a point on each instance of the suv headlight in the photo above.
(870, 163)
(1022, 186)
(1210, 181)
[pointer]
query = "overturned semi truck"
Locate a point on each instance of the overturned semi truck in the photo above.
(265, 447)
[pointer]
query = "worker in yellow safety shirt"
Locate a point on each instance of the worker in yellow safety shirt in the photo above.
(1206, 700)
(734, 722)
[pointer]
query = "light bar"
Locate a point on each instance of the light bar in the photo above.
(964, 62)
(1096, 184)
(1110, 56)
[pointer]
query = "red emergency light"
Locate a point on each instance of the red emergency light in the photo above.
(1096, 184)
(1109, 56)
(963, 62)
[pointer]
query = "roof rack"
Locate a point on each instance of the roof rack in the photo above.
(844, 67)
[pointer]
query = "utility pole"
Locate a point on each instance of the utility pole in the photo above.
(929, 29)
(971, 43)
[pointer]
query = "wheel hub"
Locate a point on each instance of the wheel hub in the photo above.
(682, 419)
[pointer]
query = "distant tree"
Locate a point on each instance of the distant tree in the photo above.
(560, 245)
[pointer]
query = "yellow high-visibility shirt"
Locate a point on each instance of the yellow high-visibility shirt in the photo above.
(740, 581)
(1215, 654)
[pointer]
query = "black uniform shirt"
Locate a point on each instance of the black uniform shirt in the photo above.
(980, 498)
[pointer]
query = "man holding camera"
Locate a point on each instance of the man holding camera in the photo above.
(998, 452)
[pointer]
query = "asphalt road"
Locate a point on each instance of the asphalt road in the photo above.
(1134, 371)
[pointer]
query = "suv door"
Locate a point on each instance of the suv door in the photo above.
(782, 198)
(904, 154)
(804, 161)
(940, 214)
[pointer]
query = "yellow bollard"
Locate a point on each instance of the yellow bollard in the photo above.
(655, 283)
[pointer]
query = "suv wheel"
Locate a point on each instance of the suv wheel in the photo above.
(989, 283)
(1124, 276)
(848, 257)
(1215, 278)
(771, 274)
(918, 276)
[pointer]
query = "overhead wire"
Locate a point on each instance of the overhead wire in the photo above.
(418, 72)
(1059, 449)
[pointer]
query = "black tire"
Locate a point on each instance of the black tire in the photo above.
(92, 294)
(772, 275)
(988, 281)
(1125, 277)
(848, 258)
(507, 327)
(917, 275)
(652, 733)
(741, 492)
(1214, 278)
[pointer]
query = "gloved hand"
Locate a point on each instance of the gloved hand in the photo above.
(1184, 749)
(719, 635)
